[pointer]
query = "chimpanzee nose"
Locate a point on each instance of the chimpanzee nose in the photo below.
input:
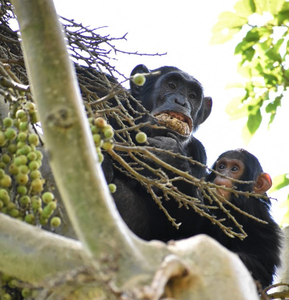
(180, 101)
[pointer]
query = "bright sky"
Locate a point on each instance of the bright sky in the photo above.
(183, 30)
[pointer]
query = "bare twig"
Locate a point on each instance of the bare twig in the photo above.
(87, 47)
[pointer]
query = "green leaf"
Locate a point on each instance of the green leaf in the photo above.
(253, 35)
(267, 44)
(228, 24)
(263, 47)
(261, 6)
(220, 37)
(272, 118)
(287, 77)
(266, 94)
(272, 107)
(257, 33)
(264, 31)
(280, 182)
(287, 46)
(229, 20)
(272, 6)
(275, 6)
(250, 90)
(235, 109)
(253, 108)
(283, 16)
(258, 84)
(245, 71)
(245, 8)
(285, 7)
(246, 135)
(258, 69)
(244, 45)
(275, 70)
(274, 53)
(248, 54)
(279, 43)
(270, 79)
(254, 121)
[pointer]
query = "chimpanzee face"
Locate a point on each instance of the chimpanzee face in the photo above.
(178, 99)
(174, 99)
(229, 168)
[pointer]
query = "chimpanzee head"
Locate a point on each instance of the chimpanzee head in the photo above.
(174, 99)
(240, 165)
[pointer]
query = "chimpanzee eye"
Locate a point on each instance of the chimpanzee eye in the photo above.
(193, 96)
(235, 168)
(172, 86)
(221, 167)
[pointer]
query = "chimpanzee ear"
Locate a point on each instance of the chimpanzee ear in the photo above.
(205, 110)
(135, 89)
(208, 103)
(262, 184)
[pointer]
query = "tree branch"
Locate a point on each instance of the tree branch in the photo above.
(24, 248)
(69, 142)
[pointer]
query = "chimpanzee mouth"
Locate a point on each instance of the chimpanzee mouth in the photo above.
(175, 121)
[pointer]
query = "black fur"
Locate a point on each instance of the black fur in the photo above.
(260, 251)
(134, 203)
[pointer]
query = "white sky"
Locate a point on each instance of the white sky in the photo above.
(183, 30)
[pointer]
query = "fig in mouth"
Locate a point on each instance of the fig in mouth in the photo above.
(175, 121)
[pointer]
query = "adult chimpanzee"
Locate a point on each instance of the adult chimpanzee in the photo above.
(175, 100)
(260, 251)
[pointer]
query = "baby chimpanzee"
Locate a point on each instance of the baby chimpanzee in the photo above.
(260, 251)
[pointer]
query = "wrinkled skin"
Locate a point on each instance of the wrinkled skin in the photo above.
(176, 94)
(260, 251)
(175, 101)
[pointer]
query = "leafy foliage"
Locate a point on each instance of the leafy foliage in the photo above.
(263, 26)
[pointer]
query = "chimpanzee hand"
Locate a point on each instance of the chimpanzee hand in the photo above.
(171, 144)
(164, 142)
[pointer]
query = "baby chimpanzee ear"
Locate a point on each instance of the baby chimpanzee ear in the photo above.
(262, 184)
